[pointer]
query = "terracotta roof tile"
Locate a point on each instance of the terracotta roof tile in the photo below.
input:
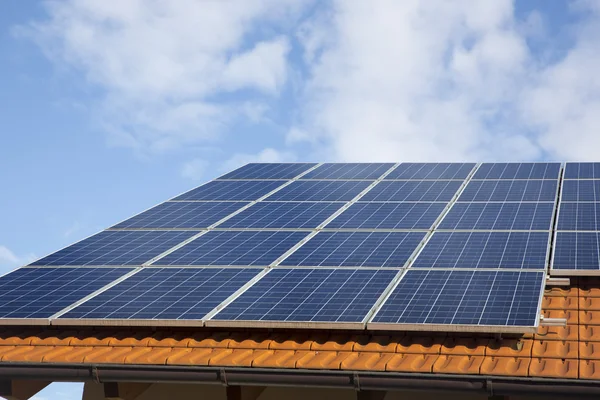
(552, 352)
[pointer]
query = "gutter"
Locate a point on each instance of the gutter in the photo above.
(358, 380)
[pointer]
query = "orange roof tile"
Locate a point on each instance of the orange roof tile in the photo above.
(555, 352)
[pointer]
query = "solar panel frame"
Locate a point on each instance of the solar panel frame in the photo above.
(387, 326)
(545, 175)
(355, 256)
(206, 249)
(445, 236)
(68, 319)
(196, 194)
(113, 238)
(214, 320)
(282, 215)
(360, 216)
(569, 172)
(327, 171)
(81, 280)
(176, 211)
(464, 170)
(293, 170)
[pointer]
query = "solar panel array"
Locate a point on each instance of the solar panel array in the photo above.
(577, 241)
(428, 246)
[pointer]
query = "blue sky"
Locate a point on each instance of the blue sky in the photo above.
(108, 110)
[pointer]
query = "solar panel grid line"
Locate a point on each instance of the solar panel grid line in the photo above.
(266, 166)
(416, 262)
(449, 205)
(126, 305)
(95, 293)
(32, 295)
(307, 293)
(331, 218)
(449, 327)
(487, 168)
(180, 245)
(352, 249)
(174, 248)
(420, 171)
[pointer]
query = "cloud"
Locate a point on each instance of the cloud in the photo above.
(267, 155)
(194, 169)
(444, 80)
(380, 80)
(9, 260)
(162, 65)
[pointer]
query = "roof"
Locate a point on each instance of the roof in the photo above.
(571, 352)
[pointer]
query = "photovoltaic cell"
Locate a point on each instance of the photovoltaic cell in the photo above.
(431, 171)
(413, 191)
(518, 171)
(117, 248)
(269, 171)
(388, 216)
(166, 294)
(442, 297)
(182, 214)
(585, 170)
(42, 292)
(579, 217)
(580, 190)
(234, 248)
(510, 190)
(577, 251)
(349, 171)
(356, 249)
(499, 216)
(310, 295)
(320, 191)
(519, 250)
(282, 215)
(231, 190)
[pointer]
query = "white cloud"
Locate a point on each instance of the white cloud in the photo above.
(442, 80)
(161, 63)
(381, 80)
(267, 155)
(194, 169)
(9, 260)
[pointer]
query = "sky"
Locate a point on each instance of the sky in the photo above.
(108, 108)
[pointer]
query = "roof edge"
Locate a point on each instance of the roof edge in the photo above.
(358, 380)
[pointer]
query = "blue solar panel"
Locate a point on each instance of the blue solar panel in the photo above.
(580, 190)
(42, 292)
(503, 216)
(388, 216)
(523, 250)
(234, 248)
(356, 249)
(117, 248)
(431, 171)
(510, 190)
(485, 298)
(282, 215)
(585, 170)
(231, 190)
(577, 251)
(310, 295)
(182, 214)
(518, 171)
(269, 171)
(413, 191)
(349, 171)
(579, 217)
(320, 191)
(166, 293)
